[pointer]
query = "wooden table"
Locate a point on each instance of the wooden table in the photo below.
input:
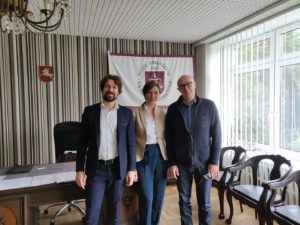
(22, 194)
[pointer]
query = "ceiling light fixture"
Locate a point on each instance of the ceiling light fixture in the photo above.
(33, 15)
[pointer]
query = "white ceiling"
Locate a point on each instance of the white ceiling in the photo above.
(185, 21)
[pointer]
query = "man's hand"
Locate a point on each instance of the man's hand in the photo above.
(213, 171)
(130, 178)
(173, 172)
(80, 179)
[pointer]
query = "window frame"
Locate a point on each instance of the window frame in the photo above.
(273, 63)
(283, 60)
(260, 65)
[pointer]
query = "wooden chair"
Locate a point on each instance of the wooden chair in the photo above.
(239, 155)
(254, 195)
(283, 214)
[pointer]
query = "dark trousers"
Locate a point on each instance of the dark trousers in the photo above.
(105, 182)
(152, 172)
(203, 187)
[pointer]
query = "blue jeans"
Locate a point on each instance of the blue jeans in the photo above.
(203, 187)
(152, 172)
(105, 182)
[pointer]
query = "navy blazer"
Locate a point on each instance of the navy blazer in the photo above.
(87, 155)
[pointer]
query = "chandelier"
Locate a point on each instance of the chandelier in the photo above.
(33, 15)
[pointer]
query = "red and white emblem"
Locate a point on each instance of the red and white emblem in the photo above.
(46, 73)
(158, 76)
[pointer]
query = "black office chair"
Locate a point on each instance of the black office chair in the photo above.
(66, 138)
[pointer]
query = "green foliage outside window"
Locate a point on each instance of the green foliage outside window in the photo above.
(253, 52)
(290, 107)
(253, 81)
(290, 41)
(252, 95)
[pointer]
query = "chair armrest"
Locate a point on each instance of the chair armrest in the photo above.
(281, 182)
(241, 161)
(234, 169)
(273, 185)
(239, 166)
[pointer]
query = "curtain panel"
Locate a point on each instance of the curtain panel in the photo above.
(29, 108)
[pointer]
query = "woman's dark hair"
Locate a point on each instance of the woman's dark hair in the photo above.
(117, 80)
(149, 85)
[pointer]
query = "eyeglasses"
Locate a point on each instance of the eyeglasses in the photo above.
(182, 86)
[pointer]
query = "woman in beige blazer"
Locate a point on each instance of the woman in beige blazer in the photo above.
(151, 155)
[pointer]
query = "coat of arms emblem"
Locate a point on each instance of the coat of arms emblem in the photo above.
(46, 73)
(158, 76)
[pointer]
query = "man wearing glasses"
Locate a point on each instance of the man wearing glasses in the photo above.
(193, 137)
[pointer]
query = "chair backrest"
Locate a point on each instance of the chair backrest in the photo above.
(290, 214)
(66, 137)
(274, 173)
(239, 154)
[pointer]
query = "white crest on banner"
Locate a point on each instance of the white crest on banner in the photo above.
(136, 70)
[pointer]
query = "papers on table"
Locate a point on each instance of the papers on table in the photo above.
(40, 175)
(15, 183)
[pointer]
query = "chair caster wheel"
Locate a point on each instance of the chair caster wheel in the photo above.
(46, 211)
(51, 223)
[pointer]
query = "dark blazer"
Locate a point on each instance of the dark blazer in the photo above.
(202, 145)
(87, 156)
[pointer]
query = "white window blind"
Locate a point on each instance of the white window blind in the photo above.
(258, 70)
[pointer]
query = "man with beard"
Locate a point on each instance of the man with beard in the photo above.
(106, 157)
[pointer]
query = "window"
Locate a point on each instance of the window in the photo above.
(290, 42)
(289, 72)
(252, 106)
(259, 72)
(290, 107)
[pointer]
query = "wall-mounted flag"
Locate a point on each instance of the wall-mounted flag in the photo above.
(46, 73)
(136, 70)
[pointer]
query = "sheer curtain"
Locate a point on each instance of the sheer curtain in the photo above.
(258, 70)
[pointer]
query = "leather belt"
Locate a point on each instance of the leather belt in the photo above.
(107, 162)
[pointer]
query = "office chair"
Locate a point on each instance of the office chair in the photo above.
(66, 138)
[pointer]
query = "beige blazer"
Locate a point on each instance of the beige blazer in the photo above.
(141, 134)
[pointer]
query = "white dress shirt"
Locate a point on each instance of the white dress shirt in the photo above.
(108, 133)
(151, 131)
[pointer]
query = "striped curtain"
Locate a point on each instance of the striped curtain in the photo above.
(29, 108)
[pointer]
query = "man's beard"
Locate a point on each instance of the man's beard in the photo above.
(109, 97)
